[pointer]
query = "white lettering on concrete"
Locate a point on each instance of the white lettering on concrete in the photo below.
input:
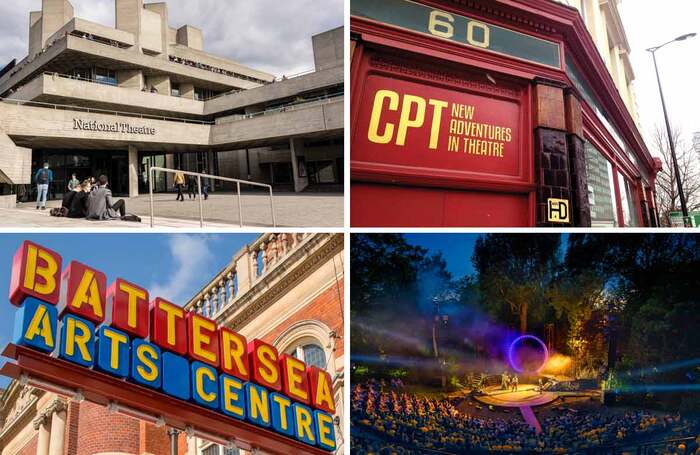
(117, 127)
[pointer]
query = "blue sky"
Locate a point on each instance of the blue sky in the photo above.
(456, 249)
(171, 266)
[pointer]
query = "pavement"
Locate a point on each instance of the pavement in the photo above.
(220, 211)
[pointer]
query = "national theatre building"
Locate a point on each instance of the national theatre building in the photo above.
(284, 289)
(488, 113)
(91, 99)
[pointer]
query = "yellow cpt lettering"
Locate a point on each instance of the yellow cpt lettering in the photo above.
(373, 134)
(268, 360)
(40, 325)
(323, 392)
(233, 350)
(413, 112)
(33, 269)
(171, 312)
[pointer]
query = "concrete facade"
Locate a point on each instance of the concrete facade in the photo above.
(168, 96)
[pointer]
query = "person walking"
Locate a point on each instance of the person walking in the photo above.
(515, 383)
(179, 183)
(73, 183)
(43, 179)
(191, 187)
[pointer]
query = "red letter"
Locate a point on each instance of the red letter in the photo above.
(321, 390)
(129, 308)
(264, 368)
(234, 354)
(35, 273)
(203, 339)
(295, 382)
(85, 292)
(168, 326)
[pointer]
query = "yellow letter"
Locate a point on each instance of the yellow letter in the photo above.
(373, 134)
(47, 273)
(73, 339)
(437, 119)
(323, 392)
(116, 339)
(324, 422)
(304, 421)
(151, 373)
(171, 312)
(295, 376)
(406, 122)
(135, 295)
(443, 20)
(88, 292)
(233, 350)
(268, 359)
(202, 371)
(259, 404)
(40, 325)
(284, 404)
(231, 395)
(199, 338)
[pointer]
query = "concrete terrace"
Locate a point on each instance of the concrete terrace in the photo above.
(220, 211)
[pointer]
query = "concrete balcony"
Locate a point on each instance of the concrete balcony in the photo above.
(320, 118)
(276, 91)
(60, 89)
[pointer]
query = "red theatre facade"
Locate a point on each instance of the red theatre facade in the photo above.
(489, 113)
(284, 289)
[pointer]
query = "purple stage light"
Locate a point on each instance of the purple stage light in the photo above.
(518, 340)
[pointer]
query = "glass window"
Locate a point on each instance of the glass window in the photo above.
(105, 76)
(211, 450)
(601, 191)
(174, 89)
(310, 354)
(232, 452)
(628, 200)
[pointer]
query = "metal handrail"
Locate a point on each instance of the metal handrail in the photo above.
(79, 78)
(151, 176)
(70, 107)
(277, 79)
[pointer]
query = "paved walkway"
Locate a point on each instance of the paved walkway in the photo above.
(220, 211)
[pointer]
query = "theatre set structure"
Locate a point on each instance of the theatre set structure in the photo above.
(495, 113)
(282, 290)
(92, 99)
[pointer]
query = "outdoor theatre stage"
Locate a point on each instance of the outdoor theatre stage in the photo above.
(527, 395)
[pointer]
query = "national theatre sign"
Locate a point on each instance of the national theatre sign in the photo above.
(116, 127)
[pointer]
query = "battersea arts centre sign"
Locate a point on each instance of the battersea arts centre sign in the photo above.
(176, 364)
(112, 127)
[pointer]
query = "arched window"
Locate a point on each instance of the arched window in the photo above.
(311, 354)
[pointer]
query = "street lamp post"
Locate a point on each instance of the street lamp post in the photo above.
(671, 144)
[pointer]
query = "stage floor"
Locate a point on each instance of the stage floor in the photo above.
(525, 396)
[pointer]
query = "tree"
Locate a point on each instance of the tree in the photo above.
(516, 270)
(668, 199)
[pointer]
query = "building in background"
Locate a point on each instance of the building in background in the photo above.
(696, 142)
(91, 99)
(285, 289)
(495, 113)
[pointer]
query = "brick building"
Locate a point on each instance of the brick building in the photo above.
(495, 113)
(285, 289)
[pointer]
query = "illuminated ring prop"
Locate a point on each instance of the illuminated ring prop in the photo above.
(524, 337)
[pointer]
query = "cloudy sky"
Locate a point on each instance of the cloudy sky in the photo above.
(650, 24)
(269, 35)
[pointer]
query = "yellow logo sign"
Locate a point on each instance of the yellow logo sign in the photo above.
(557, 210)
